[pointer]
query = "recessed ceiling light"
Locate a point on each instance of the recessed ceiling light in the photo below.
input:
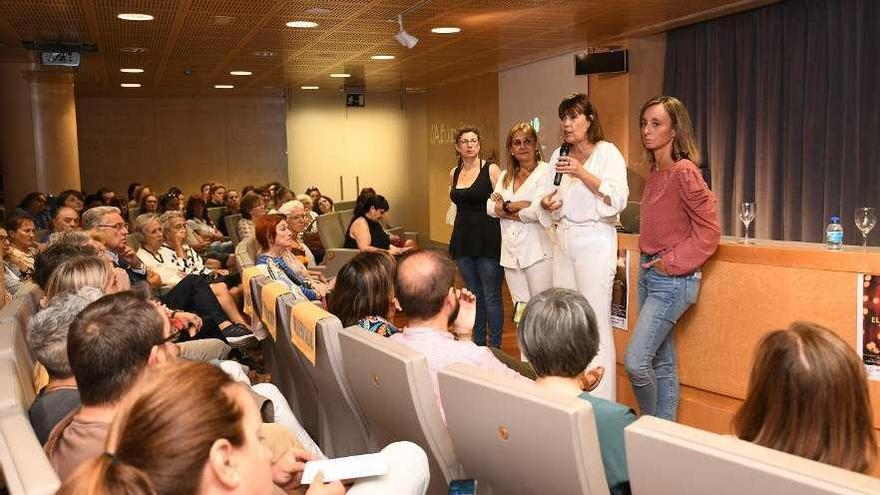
(310, 87)
(445, 30)
(131, 71)
(241, 73)
(223, 86)
(130, 85)
(340, 75)
(302, 24)
(133, 49)
(318, 11)
(135, 17)
(382, 57)
(264, 53)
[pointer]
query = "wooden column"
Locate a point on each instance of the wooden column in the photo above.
(53, 110)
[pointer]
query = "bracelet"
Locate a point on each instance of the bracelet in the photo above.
(504, 207)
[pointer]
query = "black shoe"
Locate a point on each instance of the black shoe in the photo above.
(238, 336)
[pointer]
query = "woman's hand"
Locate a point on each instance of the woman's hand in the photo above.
(571, 166)
(657, 264)
(496, 197)
(550, 202)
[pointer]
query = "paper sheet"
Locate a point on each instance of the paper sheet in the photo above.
(347, 468)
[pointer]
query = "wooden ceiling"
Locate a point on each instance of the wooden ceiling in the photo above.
(191, 45)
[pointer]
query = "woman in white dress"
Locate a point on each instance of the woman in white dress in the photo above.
(526, 249)
(584, 207)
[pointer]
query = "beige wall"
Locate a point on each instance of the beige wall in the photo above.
(16, 134)
(181, 142)
(535, 90)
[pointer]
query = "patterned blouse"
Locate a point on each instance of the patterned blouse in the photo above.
(291, 274)
(379, 325)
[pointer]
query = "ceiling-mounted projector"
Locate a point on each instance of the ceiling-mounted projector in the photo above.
(403, 37)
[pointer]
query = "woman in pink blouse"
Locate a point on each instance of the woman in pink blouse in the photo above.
(679, 232)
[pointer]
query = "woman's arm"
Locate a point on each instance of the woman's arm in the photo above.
(360, 232)
(699, 204)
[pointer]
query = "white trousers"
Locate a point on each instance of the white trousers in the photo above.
(585, 260)
(408, 475)
(530, 281)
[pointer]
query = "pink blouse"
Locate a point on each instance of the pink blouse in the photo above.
(678, 218)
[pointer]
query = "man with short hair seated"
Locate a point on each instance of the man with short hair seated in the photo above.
(559, 335)
(424, 289)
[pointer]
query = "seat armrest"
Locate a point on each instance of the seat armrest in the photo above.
(335, 258)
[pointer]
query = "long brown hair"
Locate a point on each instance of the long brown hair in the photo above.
(513, 165)
(160, 441)
(364, 287)
(808, 396)
(684, 145)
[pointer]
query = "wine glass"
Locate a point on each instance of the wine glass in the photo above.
(866, 219)
(746, 215)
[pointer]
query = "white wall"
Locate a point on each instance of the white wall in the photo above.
(535, 90)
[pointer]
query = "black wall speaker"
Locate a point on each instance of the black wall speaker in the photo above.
(601, 63)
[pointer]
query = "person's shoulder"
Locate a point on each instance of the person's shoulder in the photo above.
(608, 149)
(688, 174)
(605, 410)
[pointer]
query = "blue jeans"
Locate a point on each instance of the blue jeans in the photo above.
(483, 276)
(650, 357)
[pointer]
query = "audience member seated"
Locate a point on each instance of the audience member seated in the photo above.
(308, 204)
(559, 336)
(282, 195)
(298, 220)
(224, 449)
(61, 248)
(808, 396)
(107, 222)
(80, 271)
(253, 206)
(325, 205)
(424, 289)
(106, 195)
(47, 340)
(202, 234)
(12, 275)
(275, 240)
(149, 203)
(134, 193)
(169, 202)
(233, 204)
(314, 193)
(217, 196)
(34, 205)
(73, 199)
(364, 293)
(365, 233)
(64, 218)
(21, 230)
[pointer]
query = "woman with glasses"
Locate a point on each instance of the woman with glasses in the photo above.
(584, 208)
(526, 249)
(476, 237)
(253, 206)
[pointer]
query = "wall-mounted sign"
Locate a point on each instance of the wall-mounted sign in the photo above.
(354, 99)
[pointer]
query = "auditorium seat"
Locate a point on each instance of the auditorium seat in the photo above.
(342, 426)
(246, 253)
(392, 385)
(26, 470)
(331, 230)
(666, 457)
(15, 352)
(215, 213)
(231, 222)
(518, 439)
(24, 305)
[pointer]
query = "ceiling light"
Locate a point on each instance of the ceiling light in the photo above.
(340, 75)
(382, 57)
(302, 24)
(310, 87)
(318, 11)
(445, 30)
(135, 17)
(223, 86)
(133, 49)
(264, 53)
(130, 85)
(403, 37)
(131, 71)
(241, 73)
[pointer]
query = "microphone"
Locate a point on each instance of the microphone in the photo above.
(564, 150)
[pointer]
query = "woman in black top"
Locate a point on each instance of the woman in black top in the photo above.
(476, 237)
(365, 233)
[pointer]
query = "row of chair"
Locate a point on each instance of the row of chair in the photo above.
(364, 391)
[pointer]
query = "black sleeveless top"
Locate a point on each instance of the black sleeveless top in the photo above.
(475, 233)
(378, 237)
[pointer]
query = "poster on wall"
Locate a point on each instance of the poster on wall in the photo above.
(619, 292)
(868, 323)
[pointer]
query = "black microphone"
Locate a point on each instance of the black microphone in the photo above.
(564, 150)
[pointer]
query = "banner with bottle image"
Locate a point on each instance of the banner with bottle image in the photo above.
(868, 324)
(620, 292)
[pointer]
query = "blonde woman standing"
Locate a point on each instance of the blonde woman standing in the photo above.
(526, 249)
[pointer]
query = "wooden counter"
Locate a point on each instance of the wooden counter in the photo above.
(747, 291)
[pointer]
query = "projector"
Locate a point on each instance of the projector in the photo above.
(65, 59)
(403, 37)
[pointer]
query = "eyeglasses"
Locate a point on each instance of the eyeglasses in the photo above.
(300, 217)
(177, 335)
(465, 142)
(115, 226)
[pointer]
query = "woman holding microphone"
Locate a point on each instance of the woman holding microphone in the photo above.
(679, 231)
(526, 249)
(583, 199)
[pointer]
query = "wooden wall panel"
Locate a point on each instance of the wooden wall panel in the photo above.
(181, 142)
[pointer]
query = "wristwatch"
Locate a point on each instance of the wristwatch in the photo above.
(504, 206)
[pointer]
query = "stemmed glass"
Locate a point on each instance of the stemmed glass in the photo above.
(746, 215)
(866, 219)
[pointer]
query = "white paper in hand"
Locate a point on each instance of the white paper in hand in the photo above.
(346, 468)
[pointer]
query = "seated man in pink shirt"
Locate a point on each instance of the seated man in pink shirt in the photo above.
(424, 289)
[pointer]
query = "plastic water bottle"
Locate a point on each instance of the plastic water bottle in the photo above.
(834, 235)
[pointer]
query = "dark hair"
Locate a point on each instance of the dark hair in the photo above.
(364, 287)
(378, 202)
(165, 202)
(15, 221)
(133, 189)
(191, 204)
(313, 188)
(422, 282)
(62, 198)
(248, 202)
(280, 192)
(143, 203)
(246, 189)
(30, 198)
(808, 396)
(464, 130)
(558, 333)
(359, 209)
(162, 438)
(58, 208)
(264, 228)
(175, 191)
(109, 344)
(329, 200)
(49, 259)
(579, 103)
